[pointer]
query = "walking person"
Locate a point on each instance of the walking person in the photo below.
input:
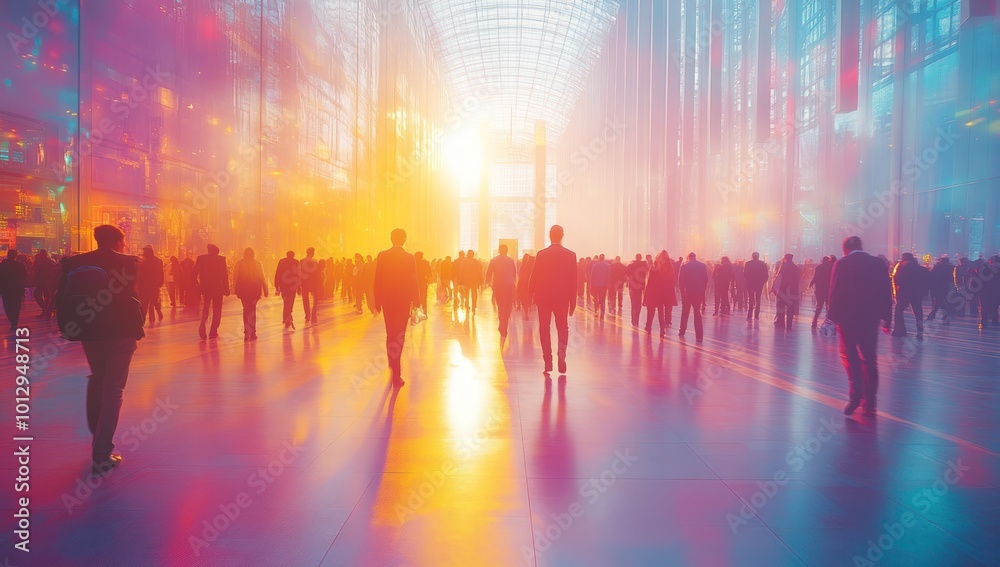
(785, 287)
(424, 276)
(211, 277)
(635, 278)
(395, 294)
(13, 279)
(311, 284)
(249, 284)
(910, 283)
(942, 283)
(618, 277)
(150, 282)
(693, 278)
(860, 296)
(553, 289)
(501, 275)
(287, 281)
(523, 277)
(600, 281)
(172, 276)
(821, 281)
(46, 282)
(722, 277)
(660, 297)
(109, 336)
(755, 273)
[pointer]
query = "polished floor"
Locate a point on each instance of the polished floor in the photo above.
(293, 451)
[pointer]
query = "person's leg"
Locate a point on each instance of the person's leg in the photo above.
(649, 318)
(669, 313)
(852, 364)
(757, 296)
(793, 308)
(899, 323)
(204, 317)
(118, 355)
(216, 314)
(699, 329)
(602, 296)
(561, 315)
(12, 305)
(918, 313)
(635, 298)
(97, 360)
(306, 311)
(505, 304)
(819, 308)
(661, 312)
(246, 302)
(545, 334)
(751, 304)
(395, 337)
(867, 345)
(685, 311)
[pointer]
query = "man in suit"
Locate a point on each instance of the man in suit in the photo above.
(211, 275)
(501, 275)
(693, 280)
(600, 280)
(108, 336)
(424, 276)
(13, 278)
(396, 293)
(312, 283)
(787, 277)
(910, 281)
(249, 284)
(755, 273)
(553, 288)
(821, 281)
(287, 283)
(635, 276)
(150, 282)
(618, 276)
(860, 296)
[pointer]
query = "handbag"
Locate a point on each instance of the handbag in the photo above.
(417, 316)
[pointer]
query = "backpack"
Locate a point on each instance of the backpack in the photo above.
(84, 310)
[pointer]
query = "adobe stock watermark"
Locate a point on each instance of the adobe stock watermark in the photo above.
(257, 483)
(418, 496)
(590, 493)
(132, 439)
(923, 502)
(38, 21)
(796, 459)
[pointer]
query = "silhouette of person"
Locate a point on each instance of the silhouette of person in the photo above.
(785, 287)
(693, 279)
(249, 284)
(600, 281)
(501, 275)
(396, 293)
(821, 281)
(553, 289)
(424, 276)
(660, 297)
(635, 276)
(211, 275)
(287, 282)
(13, 279)
(755, 273)
(860, 296)
(108, 337)
(150, 282)
(312, 284)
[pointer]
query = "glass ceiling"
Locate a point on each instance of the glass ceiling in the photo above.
(512, 62)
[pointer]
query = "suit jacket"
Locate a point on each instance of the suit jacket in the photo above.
(13, 277)
(396, 280)
(311, 275)
(755, 273)
(287, 276)
(502, 273)
(693, 280)
(860, 291)
(150, 274)
(553, 278)
(211, 274)
(125, 321)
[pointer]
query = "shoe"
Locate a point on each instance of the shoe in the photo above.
(397, 382)
(202, 333)
(869, 412)
(562, 366)
(213, 335)
(851, 406)
(548, 366)
(920, 336)
(680, 334)
(102, 467)
(253, 337)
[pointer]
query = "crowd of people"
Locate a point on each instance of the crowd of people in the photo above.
(105, 298)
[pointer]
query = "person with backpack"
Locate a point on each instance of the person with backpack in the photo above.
(97, 304)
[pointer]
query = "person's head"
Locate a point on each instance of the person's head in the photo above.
(213, 250)
(12, 254)
(502, 249)
(310, 252)
(290, 254)
(618, 259)
(525, 257)
(398, 237)
(725, 259)
(461, 254)
(110, 236)
(638, 257)
(649, 258)
(788, 257)
(42, 254)
(832, 258)
(358, 257)
(147, 251)
(248, 253)
(906, 257)
(692, 256)
(470, 254)
(602, 257)
(755, 255)
(556, 234)
(419, 255)
(827, 260)
(368, 258)
(851, 243)
(447, 258)
(174, 260)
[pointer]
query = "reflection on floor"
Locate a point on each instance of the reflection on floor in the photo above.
(292, 451)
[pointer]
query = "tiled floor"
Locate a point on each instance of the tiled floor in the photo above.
(649, 452)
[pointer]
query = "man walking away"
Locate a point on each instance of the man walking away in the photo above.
(211, 275)
(150, 282)
(108, 335)
(395, 295)
(755, 273)
(860, 296)
(287, 281)
(553, 289)
(910, 281)
(249, 284)
(501, 275)
(821, 281)
(693, 279)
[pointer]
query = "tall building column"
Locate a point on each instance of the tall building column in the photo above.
(485, 247)
(540, 197)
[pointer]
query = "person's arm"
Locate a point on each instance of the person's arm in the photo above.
(489, 271)
(377, 292)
